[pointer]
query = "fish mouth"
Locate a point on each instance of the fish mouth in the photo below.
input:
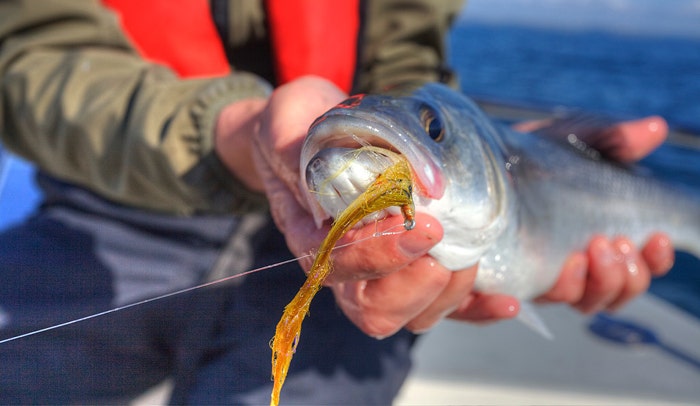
(363, 129)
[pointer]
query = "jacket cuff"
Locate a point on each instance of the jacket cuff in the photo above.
(221, 191)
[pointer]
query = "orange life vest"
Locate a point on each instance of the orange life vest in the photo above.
(308, 37)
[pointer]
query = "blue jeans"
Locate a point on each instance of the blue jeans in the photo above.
(79, 256)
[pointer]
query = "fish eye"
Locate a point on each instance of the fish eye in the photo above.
(432, 124)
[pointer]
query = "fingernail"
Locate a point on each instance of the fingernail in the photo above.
(415, 243)
(626, 249)
(512, 310)
(665, 261)
(604, 252)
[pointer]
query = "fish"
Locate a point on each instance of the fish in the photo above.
(515, 203)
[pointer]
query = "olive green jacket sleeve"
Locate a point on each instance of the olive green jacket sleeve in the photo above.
(404, 44)
(78, 100)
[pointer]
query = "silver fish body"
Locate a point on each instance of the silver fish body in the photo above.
(516, 203)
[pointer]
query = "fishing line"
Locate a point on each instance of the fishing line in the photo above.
(376, 234)
(153, 299)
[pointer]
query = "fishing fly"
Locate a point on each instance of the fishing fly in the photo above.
(392, 188)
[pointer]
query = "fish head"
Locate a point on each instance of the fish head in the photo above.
(457, 178)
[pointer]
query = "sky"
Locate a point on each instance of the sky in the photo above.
(655, 17)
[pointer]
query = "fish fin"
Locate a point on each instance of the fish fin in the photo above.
(528, 316)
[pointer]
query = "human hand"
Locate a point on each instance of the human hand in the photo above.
(612, 271)
(622, 141)
(605, 277)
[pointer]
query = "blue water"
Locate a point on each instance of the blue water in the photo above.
(618, 75)
(600, 72)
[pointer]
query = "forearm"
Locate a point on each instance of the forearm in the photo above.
(85, 107)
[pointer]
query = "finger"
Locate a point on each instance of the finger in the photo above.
(637, 139)
(290, 111)
(658, 254)
(571, 283)
(380, 307)
(606, 276)
(483, 308)
(372, 256)
(295, 105)
(637, 275)
(457, 290)
(532, 125)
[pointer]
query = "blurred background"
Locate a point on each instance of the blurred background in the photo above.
(623, 57)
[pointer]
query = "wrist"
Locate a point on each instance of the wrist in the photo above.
(234, 130)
